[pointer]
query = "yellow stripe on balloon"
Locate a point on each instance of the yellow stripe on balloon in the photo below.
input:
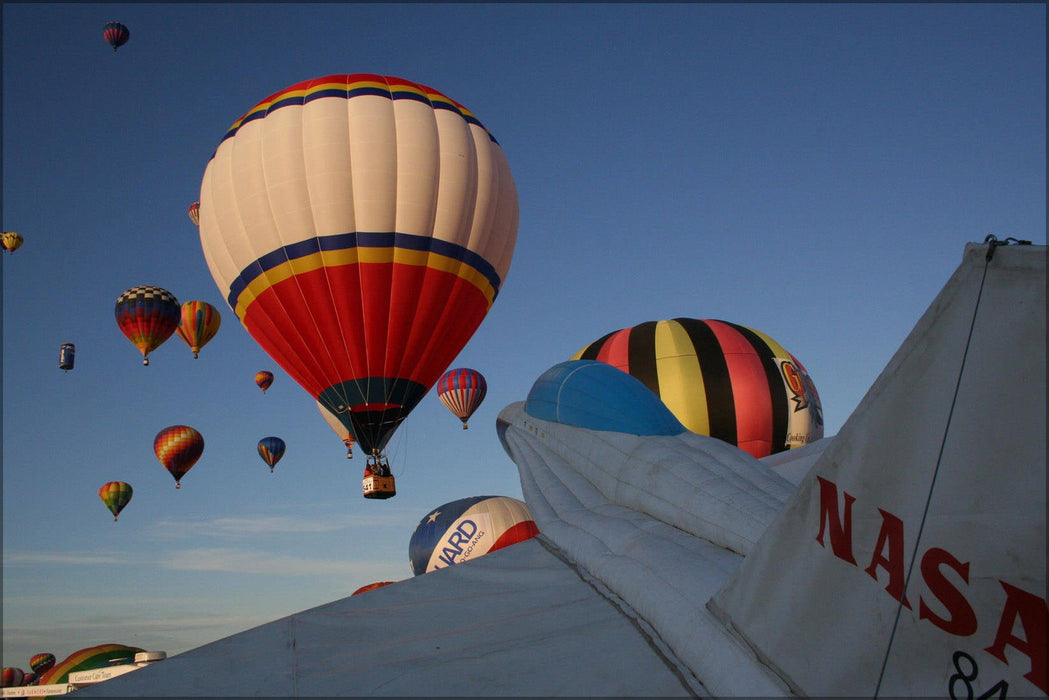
(680, 379)
(353, 256)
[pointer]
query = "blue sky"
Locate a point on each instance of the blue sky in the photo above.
(811, 171)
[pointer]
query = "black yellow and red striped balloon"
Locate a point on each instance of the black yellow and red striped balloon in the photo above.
(719, 379)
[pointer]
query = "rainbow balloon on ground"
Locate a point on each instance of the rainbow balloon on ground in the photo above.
(98, 656)
(466, 529)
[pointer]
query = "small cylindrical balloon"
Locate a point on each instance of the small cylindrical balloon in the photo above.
(178, 447)
(271, 449)
(116, 34)
(194, 213)
(199, 323)
(115, 495)
(468, 528)
(42, 662)
(462, 391)
(66, 356)
(338, 427)
(11, 240)
(147, 316)
(264, 379)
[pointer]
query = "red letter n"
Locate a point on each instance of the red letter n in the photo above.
(840, 528)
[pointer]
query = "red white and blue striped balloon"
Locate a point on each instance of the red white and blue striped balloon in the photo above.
(462, 390)
(468, 528)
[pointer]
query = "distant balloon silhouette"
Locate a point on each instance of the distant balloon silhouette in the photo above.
(116, 34)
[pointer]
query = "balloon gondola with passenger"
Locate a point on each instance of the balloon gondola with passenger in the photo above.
(362, 277)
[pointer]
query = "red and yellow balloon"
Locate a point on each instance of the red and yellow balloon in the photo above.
(178, 447)
(364, 266)
(199, 323)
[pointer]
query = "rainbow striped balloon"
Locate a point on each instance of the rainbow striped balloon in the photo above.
(199, 323)
(178, 447)
(719, 379)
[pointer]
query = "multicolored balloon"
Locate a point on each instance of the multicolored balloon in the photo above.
(338, 427)
(462, 391)
(199, 323)
(365, 268)
(115, 495)
(178, 447)
(263, 379)
(11, 241)
(11, 677)
(42, 663)
(116, 34)
(271, 449)
(194, 213)
(147, 316)
(90, 658)
(468, 528)
(720, 379)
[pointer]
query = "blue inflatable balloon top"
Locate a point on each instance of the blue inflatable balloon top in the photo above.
(597, 396)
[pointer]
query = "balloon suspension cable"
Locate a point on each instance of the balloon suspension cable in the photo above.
(992, 242)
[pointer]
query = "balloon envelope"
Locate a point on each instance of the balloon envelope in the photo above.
(116, 34)
(468, 528)
(199, 323)
(11, 240)
(42, 663)
(271, 449)
(462, 391)
(115, 495)
(147, 316)
(720, 379)
(178, 447)
(12, 677)
(363, 276)
(194, 213)
(89, 658)
(372, 587)
(263, 379)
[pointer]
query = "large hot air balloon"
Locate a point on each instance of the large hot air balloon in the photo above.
(11, 240)
(360, 226)
(178, 447)
(462, 391)
(271, 449)
(338, 427)
(115, 495)
(194, 213)
(263, 379)
(720, 379)
(200, 322)
(468, 528)
(88, 659)
(42, 663)
(11, 677)
(148, 316)
(116, 34)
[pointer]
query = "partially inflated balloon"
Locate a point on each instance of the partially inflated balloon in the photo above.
(194, 213)
(11, 240)
(199, 323)
(263, 379)
(371, 587)
(360, 226)
(88, 659)
(116, 34)
(271, 449)
(468, 528)
(720, 379)
(42, 663)
(115, 495)
(462, 391)
(147, 316)
(338, 427)
(178, 447)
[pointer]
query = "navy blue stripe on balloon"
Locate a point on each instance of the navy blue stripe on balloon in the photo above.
(359, 239)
